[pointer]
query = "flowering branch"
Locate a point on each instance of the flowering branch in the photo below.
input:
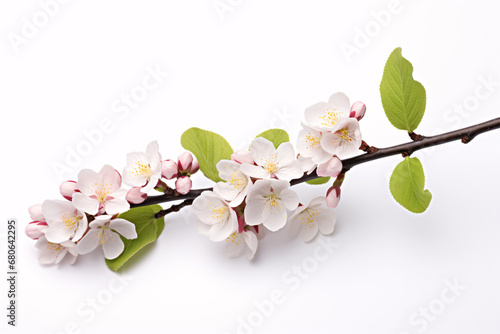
(406, 149)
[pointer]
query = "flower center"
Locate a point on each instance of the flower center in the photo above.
(272, 201)
(141, 169)
(234, 238)
(101, 191)
(331, 118)
(271, 165)
(238, 180)
(54, 247)
(104, 235)
(309, 216)
(312, 140)
(345, 134)
(219, 213)
(71, 222)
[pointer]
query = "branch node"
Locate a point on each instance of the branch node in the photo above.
(367, 148)
(467, 139)
(415, 137)
(406, 154)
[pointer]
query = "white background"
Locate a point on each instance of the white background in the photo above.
(255, 67)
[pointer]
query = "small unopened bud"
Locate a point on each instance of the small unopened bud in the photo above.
(184, 162)
(242, 156)
(36, 213)
(332, 168)
(333, 197)
(36, 229)
(169, 169)
(183, 185)
(135, 196)
(358, 110)
(161, 186)
(68, 188)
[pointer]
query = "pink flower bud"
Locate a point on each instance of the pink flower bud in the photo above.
(68, 188)
(36, 229)
(184, 162)
(169, 169)
(333, 197)
(332, 168)
(194, 167)
(243, 156)
(36, 213)
(183, 185)
(135, 196)
(358, 110)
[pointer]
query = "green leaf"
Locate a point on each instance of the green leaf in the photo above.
(209, 148)
(402, 97)
(407, 185)
(319, 180)
(275, 136)
(148, 230)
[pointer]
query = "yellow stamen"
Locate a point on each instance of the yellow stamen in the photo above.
(234, 238)
(331, 118)
(141, 168)
(238, 180)
(271, 165)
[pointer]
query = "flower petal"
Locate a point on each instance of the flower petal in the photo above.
(57, 232)
(116, 205)
(309, 231)
(255, 171)
(85, 204)
(274, 218)
(261, 148)
(289, 199)
(252, 243)
(326, 221)
(254, 211)
(123, 227)
(88, 243)
(235, 245)
(86, 180)
(341, 102)
(221, 231)
(114, 247)
(110, 177)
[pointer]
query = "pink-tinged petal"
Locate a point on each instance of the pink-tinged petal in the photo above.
(100, 221)
(61, 256)
(89, 242)
(251, 242)
(226, 169)
(116, 205)
(133, 174)
(135, 196)
(358, 110)
(153, 181)
(289, 199)
(341, 102)
(235, 245)
(261, 148)
(226, 191)
(169, 169)
(332, 168)
(293, 225)
(58, 232)
(110, 177)
(254, 211)
(82, 227)
(327, 221)
(68, 188)
(36, 229)
(184, 162)
(241, 195)
(307, 164)
(309, 231)
(123, 227)
(35, 212)
(255, 171)
(314, 115)
(243, 156)
(114, 247)
(274, 218)
(183, 184)
(285, 153)
(317, 202)
(86, 204)
(221, 231)
(330, 142)
(202, 228)
(290, 172)
(277, 186)
(153, 155)
(333, 197)
(54, 210)
(87, 178)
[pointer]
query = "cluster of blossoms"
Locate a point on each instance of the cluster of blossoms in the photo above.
(255, 192)
(254, 195)
(88, 219)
